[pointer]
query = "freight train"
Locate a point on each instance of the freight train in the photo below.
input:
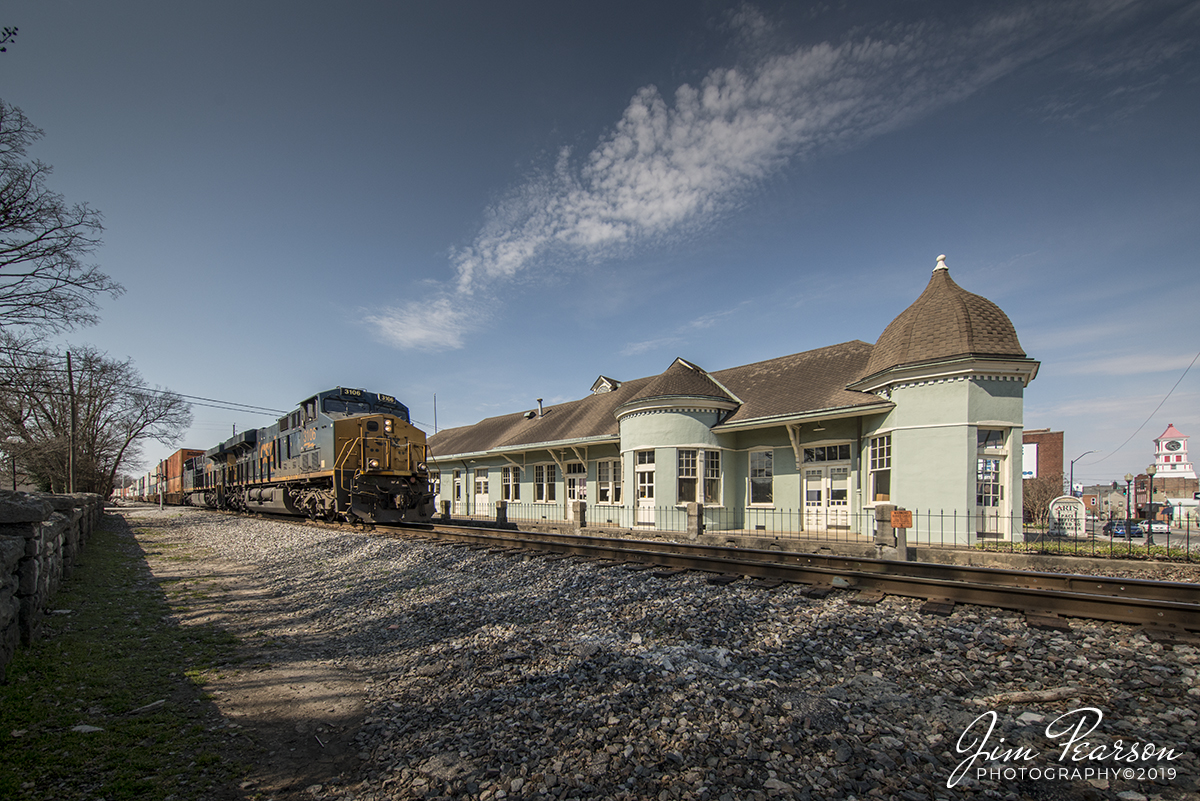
(343, 454)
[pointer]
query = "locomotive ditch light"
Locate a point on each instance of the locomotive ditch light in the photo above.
(373, 464)
(422, 467)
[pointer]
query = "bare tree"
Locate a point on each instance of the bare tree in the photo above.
(1037, 494)
(115, 414)
(44, 282)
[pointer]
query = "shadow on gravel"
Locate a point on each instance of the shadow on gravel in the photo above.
(299, 713)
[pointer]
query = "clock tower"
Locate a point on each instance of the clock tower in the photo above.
(1171, 455)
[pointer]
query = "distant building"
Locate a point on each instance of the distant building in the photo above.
(929, 418)
(1171, 455)
(1042, 454)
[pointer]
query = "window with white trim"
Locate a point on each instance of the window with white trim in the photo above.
(880, 466)
(692, 465)
(762, 477)
(712, 478)
(828, 453)
(608, 481)
(687, 476)
(481, 481)
(545, 480)
(510, 483)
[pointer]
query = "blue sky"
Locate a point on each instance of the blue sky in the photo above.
(497, 202)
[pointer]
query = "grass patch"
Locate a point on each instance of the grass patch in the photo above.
(1097, 549)
(116, 651)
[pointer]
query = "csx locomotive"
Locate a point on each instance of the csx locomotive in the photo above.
(344, 454)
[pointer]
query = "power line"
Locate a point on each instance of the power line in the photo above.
(1147, 420)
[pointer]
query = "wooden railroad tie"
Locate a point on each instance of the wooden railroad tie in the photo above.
(1043, 619)
(722, 579)
(867, 597)
(669, 574)
(943, 607)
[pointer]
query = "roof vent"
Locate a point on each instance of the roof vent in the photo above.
(540, 412)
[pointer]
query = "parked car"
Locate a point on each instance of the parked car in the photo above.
(1160, 527)
(1118, 530)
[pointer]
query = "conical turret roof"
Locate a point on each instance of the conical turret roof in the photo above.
(683, 379)
(945, 322)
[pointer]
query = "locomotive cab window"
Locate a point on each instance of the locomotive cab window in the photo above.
(337, 406)
(310, 409)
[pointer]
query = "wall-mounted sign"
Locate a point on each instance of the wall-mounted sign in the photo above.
(1029, 460)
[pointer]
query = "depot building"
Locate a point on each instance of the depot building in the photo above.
(929, 419)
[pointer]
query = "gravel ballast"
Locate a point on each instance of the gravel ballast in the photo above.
(493, 676)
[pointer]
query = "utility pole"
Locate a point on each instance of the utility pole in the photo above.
(71, 435)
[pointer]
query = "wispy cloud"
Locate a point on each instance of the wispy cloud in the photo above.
(676, 164)
(1131, 364)
(440, 324)
(647, 345)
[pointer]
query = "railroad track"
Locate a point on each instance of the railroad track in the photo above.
(1168, 610)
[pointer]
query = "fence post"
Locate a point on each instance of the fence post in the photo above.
(695, 520)
(501, 513)
(578, 514)
(445, 511)
(884, 535)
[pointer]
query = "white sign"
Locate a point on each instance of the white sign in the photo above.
(1029, 460)
(1068, 517)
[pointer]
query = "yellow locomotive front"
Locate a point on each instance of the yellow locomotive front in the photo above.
(380, 469)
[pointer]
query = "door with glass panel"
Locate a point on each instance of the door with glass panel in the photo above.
(460, 507)
(644, 473)
(481, 491)
(826, 498)
(989, 495)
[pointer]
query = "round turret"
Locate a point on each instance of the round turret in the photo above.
(945, 322)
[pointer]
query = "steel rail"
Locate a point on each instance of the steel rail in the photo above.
(1170, 605)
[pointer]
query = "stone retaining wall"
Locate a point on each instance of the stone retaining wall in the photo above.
(40, 539)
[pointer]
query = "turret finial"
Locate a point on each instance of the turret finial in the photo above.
(941, 264)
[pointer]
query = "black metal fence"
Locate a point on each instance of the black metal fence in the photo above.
(930, 529)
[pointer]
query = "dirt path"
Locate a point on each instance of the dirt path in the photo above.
(301, 712)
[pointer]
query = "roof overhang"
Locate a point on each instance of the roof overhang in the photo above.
(665, 403)
(967, 366)
(833, 413)
(524, 448)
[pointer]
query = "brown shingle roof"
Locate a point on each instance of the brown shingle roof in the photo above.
(803, 382)
(682, 379)
(588, 417)
(944, 322)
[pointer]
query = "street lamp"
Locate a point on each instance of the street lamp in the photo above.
(1150, 471)
(1071, 488)
(1128, 498)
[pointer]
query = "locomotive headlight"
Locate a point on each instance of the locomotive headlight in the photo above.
(373, 464)
(387, 426)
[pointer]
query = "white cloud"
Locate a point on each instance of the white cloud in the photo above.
(671, 166)
(441, 324)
